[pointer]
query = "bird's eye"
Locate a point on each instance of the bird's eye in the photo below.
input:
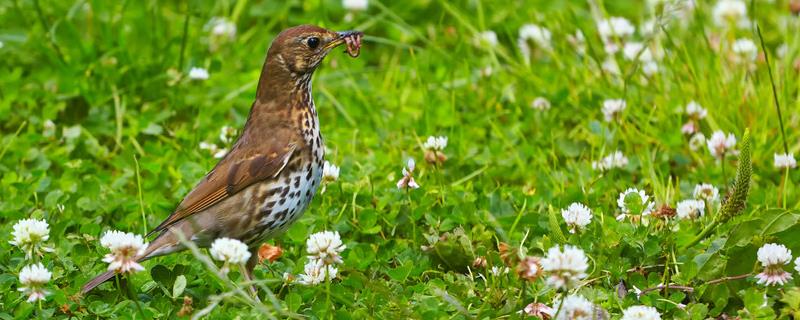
(313, 42)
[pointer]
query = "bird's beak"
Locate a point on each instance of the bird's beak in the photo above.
(346, 36)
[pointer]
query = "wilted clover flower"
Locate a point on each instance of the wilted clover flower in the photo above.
(785, 161)
(30, 235)
(325, 246)
(125, 249)
(690, 209)
(773, 257)
(720, 145)
(33, 278)
(641, 313)
(229, 251)
(530, 268)
(564, 268)
(575, 307)
(433, 149)
(407, 181)
(612, 108)
(577, 216)
(317, 272)
(540, 310)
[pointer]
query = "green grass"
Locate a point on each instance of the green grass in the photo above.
(124, 152)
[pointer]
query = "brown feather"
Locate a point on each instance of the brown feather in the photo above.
(245, 164)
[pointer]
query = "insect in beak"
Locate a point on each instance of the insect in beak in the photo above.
(352, 41)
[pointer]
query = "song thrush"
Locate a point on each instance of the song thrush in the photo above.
(273, 169)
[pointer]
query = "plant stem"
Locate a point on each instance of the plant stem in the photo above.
(703, 234)
(774, 90)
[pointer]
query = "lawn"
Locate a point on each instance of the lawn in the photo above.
(602, 158)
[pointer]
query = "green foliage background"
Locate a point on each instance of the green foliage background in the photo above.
(125, 152)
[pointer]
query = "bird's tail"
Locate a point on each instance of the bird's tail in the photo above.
(165, 243)
(105, 276)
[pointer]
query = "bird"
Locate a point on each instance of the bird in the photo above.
(271, 173)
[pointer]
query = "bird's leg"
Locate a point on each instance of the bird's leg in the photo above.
(248, 274)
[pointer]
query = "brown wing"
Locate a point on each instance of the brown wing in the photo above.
(248, 162)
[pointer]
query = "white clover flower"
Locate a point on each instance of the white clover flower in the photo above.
(221, 27)
(797, 265)
(538, 309)
(330, 172)
(49, 130)
(641, 313)
(612, 108)
(746, 49)
(726, 12)
(648, 27)
(564, 268)
(487, 39)
(317, 272)
(614, 160)
(705, 191)
(610, 65)
(649, 68)
(497, 271)
(578, 40)
(644, 204)
(30, 235)
(355, 5)
(33, 278)
(198, 74)
(690, 209)
(633, 51)
(773, 257)
(782, 50)
(227, 134)
(577, 216)
(325, 246)
(719, 144)
(615, 27)
(435, 143)
(229, 251)
(697, 141)
(407, 181)
(530, 32)
(695, 111)
(213, 149)
(785, 161)
(575, 307)
(125, 248)
(1, 44)
(540, 103)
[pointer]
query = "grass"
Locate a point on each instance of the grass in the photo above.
(111, 76)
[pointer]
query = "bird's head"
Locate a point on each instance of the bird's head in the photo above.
(299, 50)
